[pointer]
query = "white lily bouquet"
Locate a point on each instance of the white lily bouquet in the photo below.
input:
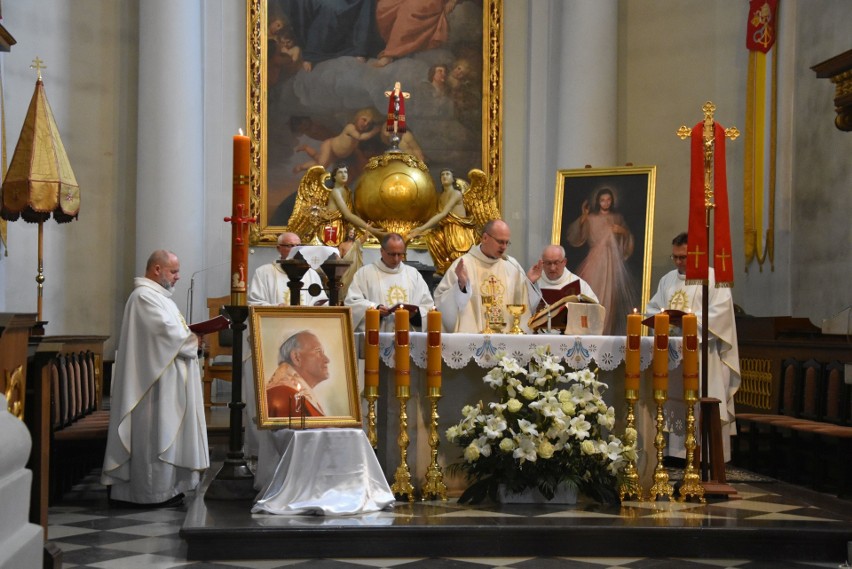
(548, 428)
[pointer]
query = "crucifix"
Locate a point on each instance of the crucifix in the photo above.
(708, 192)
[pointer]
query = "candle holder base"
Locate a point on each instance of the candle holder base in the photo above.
(691, 487)
(401, 487)
(630, 486)
(371, 394)
(434, 488)
(661, 487)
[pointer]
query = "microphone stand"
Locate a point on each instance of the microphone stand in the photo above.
(191, 291)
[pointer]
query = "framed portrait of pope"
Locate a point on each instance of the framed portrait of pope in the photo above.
(304, 367)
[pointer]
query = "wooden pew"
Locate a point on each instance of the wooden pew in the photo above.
(69, 422)
(793, 403)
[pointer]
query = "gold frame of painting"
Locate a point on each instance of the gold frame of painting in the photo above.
(274, 183)
(336, 396)
(632, 189)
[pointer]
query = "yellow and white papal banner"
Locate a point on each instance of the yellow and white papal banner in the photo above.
(761, 99)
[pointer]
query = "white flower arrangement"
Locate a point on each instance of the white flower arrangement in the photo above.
(547, 428)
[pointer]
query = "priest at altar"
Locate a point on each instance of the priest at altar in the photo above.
(269, 284)
(722, 353)
(552, 274)
(485, 270)
(387, 283)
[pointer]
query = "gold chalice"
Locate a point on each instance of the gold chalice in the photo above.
(516, 310)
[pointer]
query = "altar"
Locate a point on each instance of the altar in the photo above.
(466, 359)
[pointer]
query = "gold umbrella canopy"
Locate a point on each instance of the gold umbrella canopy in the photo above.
(40, 181)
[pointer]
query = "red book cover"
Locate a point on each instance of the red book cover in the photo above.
(209, 326)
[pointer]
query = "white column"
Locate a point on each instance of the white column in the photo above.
(170, 176)
(571, 101)
(588, 71)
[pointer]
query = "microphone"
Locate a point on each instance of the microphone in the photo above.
(535, 287)
(189, 293)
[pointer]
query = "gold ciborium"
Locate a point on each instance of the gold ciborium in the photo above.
(516, 310)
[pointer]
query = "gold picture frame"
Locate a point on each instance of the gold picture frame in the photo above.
(302, 391)
(475, 142)
(621, 281)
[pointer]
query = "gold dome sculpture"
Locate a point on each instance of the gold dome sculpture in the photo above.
(395, 192)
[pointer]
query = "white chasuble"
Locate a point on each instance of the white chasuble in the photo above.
(157, 439)
(723, 360)
(377, 284)
(269, 287)
(503, 279)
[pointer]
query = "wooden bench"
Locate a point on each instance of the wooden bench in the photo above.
(69, 423)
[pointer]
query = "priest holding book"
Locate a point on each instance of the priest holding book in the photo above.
(388, 284)
(674, 295)
(551, 274)
(561, 294)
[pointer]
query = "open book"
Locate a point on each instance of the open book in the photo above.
(675, 318)
(210, 326)
(552, 295)
(413, 312)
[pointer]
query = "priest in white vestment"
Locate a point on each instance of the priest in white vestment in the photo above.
(722, 352)
(386, 283)
(551, 272)
(268, 287)
(269, 284)
(157, 439)
(484, 270)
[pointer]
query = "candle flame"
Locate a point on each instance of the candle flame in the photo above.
(635, 310)
(241, 131)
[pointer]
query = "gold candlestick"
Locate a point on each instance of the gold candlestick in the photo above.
(630, 487)
(516, 310)
(661, 487)
(402, 487)
(434, 487)
(691, 485)
(371, 394)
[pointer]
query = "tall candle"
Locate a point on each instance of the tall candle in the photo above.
(661, 352)
(690, 352)
(371, 349)
(433, 350)
(239, 219)
(632, 354)
(403, 369)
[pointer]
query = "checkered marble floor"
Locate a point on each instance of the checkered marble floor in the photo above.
(93, 535)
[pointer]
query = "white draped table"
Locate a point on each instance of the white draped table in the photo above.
(465, 358)
(323, 471)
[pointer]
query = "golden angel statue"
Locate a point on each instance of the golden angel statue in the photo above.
(323, 214)
(463, 209)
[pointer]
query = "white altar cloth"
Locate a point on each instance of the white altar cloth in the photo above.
(578, 352)
(325, 472)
